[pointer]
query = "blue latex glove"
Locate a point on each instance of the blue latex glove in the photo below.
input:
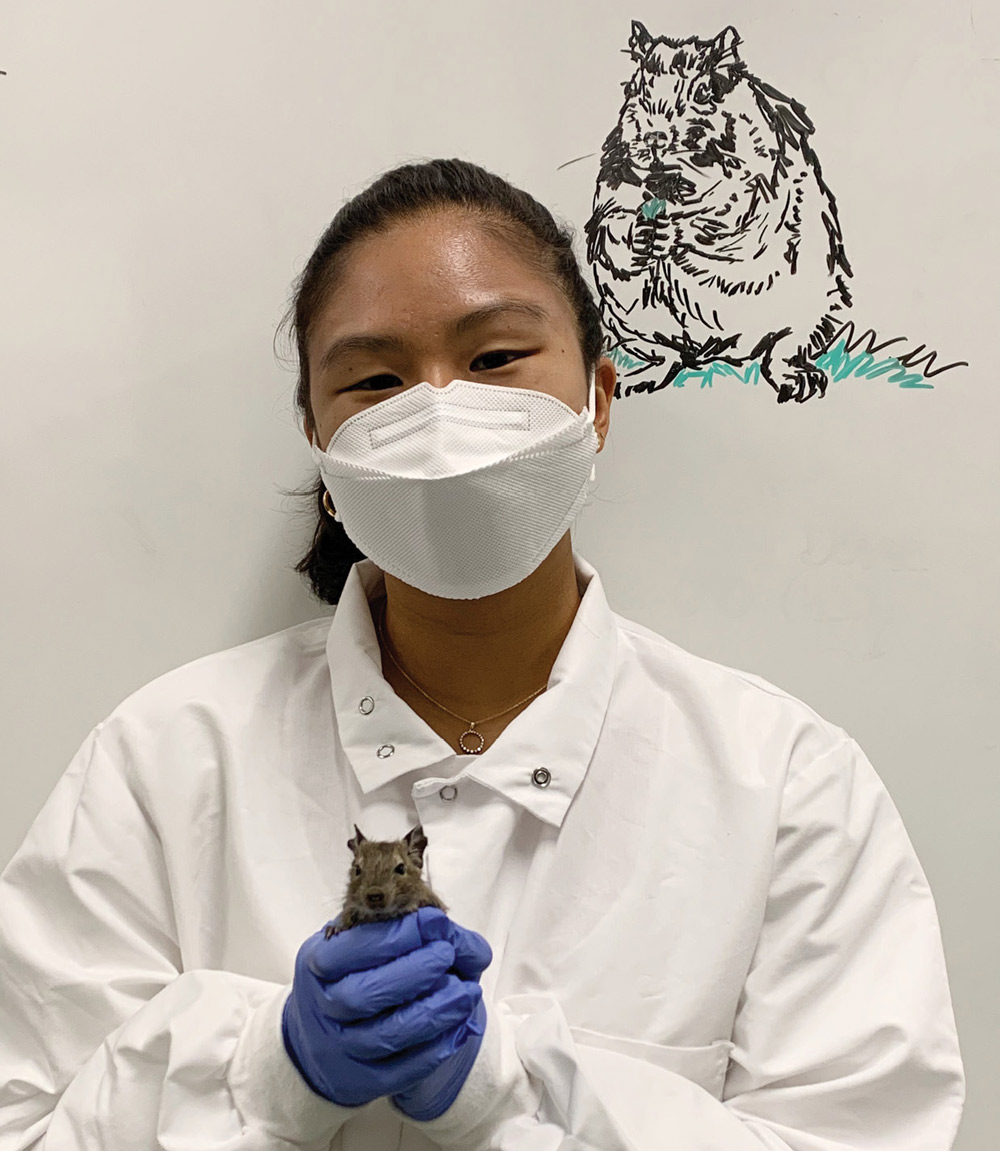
(377, 1009)
(436, 1092)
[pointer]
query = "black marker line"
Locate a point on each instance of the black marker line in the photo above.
(568, 162)
(913, 359)
(650, 167)
(625, 241)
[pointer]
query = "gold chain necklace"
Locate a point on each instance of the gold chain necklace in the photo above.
(471, 729)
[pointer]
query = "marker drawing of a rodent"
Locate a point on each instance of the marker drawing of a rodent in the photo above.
(385, 880)
(713, 234)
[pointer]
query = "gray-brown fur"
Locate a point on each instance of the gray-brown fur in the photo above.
(385, 880)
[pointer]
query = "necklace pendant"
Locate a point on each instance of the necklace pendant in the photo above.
(472, 750)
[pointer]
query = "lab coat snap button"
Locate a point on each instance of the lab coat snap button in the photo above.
(449, 791)
(385, 751)
(367, 705)
(541, 776)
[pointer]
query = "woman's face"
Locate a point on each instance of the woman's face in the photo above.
(434, 299)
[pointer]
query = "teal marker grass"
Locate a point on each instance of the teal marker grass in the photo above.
(838, 363)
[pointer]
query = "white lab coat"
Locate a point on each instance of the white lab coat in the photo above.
(710, 930)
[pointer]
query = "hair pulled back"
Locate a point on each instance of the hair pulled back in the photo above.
(509, 213)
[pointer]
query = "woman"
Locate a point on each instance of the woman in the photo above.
(683, 910)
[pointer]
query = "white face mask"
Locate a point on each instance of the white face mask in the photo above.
(461, 491)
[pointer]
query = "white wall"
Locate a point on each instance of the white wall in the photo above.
(166, 170)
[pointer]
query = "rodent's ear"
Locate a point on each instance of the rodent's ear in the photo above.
(725, 55)
(359, 838)
(723, 62)
(416, 842)
(639, 41)
(727, 41)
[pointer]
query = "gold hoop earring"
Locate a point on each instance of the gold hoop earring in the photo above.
(327, 506)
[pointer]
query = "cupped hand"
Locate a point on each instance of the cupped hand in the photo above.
(377, 1009)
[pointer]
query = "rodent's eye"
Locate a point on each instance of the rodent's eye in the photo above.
(357, 869)
(702, 92)
(400, 869)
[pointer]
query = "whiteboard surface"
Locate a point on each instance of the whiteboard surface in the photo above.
(166, 172)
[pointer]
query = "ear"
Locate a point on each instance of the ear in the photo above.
(359, 838)
(605, 381)
(639, 41)
(726, 43)
(724, 54)
(723, 61)
(416, 842)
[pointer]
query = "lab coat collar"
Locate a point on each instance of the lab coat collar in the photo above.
(558, 730)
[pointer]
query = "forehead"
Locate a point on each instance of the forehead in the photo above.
(370, 847)
(429, 269)
(671, 60)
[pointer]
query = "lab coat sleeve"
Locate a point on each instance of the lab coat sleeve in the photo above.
(105, 1043)
(844, 1038)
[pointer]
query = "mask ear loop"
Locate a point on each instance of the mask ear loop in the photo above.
(592, 412)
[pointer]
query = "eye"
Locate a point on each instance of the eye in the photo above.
(497, 359)
(357, 869)
(702, 92)
(400, 869)
(386, 381)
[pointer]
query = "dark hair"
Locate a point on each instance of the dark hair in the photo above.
(410, 190)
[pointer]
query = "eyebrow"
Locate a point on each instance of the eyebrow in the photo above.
(466, 323)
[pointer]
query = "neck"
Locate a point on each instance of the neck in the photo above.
(476, 656)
